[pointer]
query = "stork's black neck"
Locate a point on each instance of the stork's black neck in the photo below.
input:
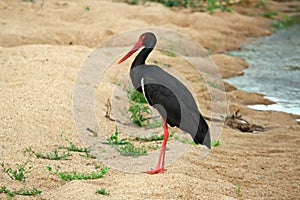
(141, 57)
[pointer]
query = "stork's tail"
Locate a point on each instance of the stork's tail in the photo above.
(203, 134)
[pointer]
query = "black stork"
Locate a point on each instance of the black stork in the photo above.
(168, 95)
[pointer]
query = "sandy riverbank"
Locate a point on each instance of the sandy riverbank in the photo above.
(42, 50)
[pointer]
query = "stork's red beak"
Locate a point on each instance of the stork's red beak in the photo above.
(136, 47)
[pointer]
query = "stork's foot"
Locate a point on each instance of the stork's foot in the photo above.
(155, 171)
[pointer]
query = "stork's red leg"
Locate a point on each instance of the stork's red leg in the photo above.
(161, 161)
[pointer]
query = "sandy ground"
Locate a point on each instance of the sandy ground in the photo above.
(42, 50)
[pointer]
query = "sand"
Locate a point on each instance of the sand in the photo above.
(44, 46)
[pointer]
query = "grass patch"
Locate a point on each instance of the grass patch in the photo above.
(153, 137)
(209, 5)
(125, 147)
(76, 175)
(130, 150)
(57, 154)
(139, 110)
(284, 23)
(136, 96)
(51, 155)
(222, 5)
(18, 173)
(262, 3)
(115, 140)
(74, 148)
(238, 190)
(3, 189)
(269, 14)
(131, 2)
(215, 143)
(102, 191)
(28, 192)
(154, 147)
(87, 8)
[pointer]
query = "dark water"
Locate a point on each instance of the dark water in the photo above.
(274, 69)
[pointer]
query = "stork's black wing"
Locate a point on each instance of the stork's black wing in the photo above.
(172, 99)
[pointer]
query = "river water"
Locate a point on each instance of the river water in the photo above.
(274, 69)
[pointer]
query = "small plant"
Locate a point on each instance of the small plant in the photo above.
(153, 147)
(102, 191)
(130, 150)
(138, 107)
(210, 5)
(167, 65)
(223, 5)
(87, 8)
(215, 143)
(74, 148)
(262, 3)
(270, 14)
(78, 176)
(136, 96)
(32, 191)
(238, 190)
(286, 22)
(153, 137)
(3, 189)
(127, 148)
(170, 3)
(138, 112)
(131, 2)
(115, 140)
(19, 173)
(261, 174)
(52, 155)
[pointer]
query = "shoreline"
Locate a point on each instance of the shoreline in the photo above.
(277, 105)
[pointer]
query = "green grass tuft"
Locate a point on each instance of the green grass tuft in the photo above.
(87, 8)
(270, 14)
(130, 150)
(29, 192)
(138, 112)
(238, 190)
(76, 175)
(125, 147)
(262, 3)
(153, 137)
(136, 96)
(286, 22)
(115, 140)
(51, 155)
(215, 143)
(102, 191)
(18, 173)
(222, 5)
(74, 148)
